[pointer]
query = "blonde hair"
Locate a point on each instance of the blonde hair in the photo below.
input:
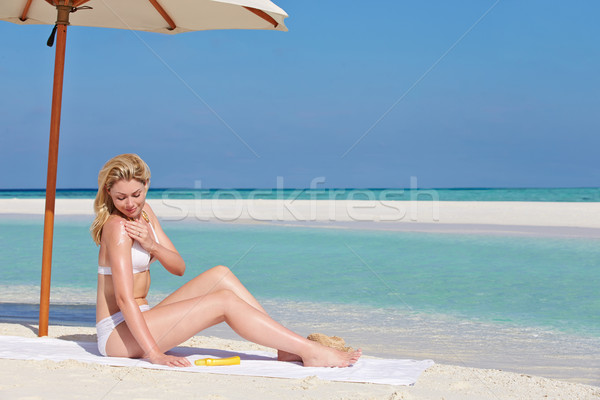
(124, 166)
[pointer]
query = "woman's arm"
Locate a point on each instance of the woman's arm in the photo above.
(118, 252)
(164, 251)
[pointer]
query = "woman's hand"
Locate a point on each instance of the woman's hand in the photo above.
(165, 252)
(171, 361)
(138, 230)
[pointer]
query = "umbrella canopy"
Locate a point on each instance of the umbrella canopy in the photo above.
(166, 16)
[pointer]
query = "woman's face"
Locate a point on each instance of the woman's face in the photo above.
(128, 197)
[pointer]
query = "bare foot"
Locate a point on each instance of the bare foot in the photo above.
(285, 356)
(322, 356)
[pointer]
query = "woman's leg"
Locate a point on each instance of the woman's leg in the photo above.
(212, 280)
(174, 323)
(215, 279)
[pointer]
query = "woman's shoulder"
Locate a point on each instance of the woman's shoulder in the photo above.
(113, 221)
(114, 229)
(154, 222)
(148, 210)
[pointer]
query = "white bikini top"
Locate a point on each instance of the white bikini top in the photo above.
(140, 258)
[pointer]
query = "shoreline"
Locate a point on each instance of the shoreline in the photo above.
(74, 380)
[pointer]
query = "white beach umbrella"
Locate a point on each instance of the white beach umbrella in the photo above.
(165, 16)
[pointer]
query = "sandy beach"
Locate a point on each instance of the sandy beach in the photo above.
(76, 380)
(536, 218)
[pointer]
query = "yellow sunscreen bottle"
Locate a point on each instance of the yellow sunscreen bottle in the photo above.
(210, 362)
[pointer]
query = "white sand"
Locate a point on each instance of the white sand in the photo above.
(535, 218)
(75, 380)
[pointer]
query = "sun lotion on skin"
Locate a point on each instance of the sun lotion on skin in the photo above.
(212, 362)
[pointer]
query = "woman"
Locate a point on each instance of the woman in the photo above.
(130, 238)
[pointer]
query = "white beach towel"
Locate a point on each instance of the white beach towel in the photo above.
(253, 363)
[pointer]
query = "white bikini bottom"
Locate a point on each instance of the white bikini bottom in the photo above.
(105, 327)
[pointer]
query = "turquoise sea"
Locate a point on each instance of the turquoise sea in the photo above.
(455, 194)
(529, 304)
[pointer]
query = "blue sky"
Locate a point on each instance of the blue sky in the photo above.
(457, 94)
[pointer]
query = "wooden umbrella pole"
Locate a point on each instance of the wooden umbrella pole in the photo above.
(59, 68)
